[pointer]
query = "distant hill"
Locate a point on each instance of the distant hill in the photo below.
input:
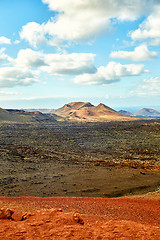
(148, 113)
(13, 115)
(6, 116)
(85, 111)
(42, 110)
(126, 113)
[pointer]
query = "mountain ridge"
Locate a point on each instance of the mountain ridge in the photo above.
(15, 115)
(75, 111)
(126, 112)
(85, 111)
(147, 112)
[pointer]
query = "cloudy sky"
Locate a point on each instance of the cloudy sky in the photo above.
(57, 51)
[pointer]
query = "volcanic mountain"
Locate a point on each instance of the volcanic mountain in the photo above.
(126, 112)
(42, 110)
(148, 112)
(13, 115)
(85, 111)
(6, 116)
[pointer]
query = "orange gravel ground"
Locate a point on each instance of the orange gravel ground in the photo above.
(116, 218)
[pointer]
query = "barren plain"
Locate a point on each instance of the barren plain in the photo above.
(79, 159)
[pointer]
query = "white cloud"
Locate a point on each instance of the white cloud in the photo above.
(34, 33)
(123, 9)
(56, 64)
(149, 87)
(29, 58)
(140, 53)
(82, 20)
(149, 29)
(111, 73)
(38, 35)
(12, 76)
(4, 40)
(69, 64)
(28, 65)
(3, 57)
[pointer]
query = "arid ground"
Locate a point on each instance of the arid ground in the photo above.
(61, 218)
(80, 161)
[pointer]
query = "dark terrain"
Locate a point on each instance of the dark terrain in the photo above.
(79, 159)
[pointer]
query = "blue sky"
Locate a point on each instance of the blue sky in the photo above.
(57, 51)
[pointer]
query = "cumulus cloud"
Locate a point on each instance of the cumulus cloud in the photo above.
(69, 64)
(56, 64)
(29, 58)
(112, 8)
(149, 29)
(3, 57)
(111, 73)
(12, 76)
(4, 40)
(38, 35)
(34, 33)
(149, 87)
(28, 65)
(140, 53)
(82, 20)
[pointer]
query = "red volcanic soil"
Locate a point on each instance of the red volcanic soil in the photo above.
(80, 218)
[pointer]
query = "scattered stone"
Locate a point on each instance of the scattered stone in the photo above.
(78, 219)
(59, 210)
(26, 216)
(6, 213)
